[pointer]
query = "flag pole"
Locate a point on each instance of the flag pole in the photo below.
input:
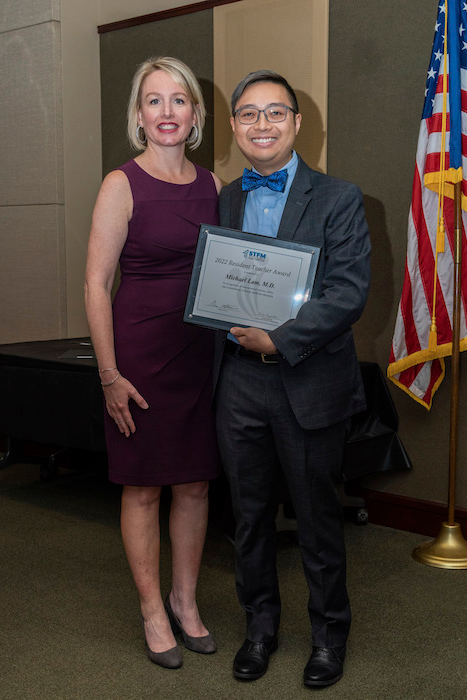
(449, 549)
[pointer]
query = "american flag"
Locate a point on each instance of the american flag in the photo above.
(416, 362)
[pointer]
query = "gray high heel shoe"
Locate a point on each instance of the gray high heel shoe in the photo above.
(172, 658)
(202, 645)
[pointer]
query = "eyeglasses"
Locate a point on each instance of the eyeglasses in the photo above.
(273, 113)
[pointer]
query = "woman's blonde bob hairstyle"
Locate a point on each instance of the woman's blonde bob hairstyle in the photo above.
(183, 76)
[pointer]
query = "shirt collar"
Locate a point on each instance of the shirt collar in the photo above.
(291, 167)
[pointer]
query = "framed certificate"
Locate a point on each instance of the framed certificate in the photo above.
(244, 279)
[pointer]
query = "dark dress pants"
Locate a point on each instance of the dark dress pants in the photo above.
(257, 432)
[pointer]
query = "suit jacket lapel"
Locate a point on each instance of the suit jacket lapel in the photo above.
(237, 206)
(297, 201)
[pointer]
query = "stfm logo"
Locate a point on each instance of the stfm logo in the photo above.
(254, 255)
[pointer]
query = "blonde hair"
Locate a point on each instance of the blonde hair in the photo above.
(185, 78)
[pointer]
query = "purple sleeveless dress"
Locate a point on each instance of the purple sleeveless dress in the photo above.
(167, 360)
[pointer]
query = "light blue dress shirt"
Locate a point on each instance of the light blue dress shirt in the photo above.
(264, 207)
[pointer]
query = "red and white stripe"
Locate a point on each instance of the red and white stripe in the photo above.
(421, 377)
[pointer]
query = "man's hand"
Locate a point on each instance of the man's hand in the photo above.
(254, 339)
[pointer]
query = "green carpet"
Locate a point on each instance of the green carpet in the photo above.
(70, 617)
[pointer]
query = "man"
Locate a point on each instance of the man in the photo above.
(284, 398)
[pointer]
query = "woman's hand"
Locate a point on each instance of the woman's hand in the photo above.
(117, 398)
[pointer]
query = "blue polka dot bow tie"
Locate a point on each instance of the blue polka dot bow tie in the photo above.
(252, 180)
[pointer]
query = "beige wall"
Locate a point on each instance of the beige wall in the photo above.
(64, 147)
(32, 291)
(302, 23)
(81, 144)
(50, 152)
(53, 47)
(50, 158)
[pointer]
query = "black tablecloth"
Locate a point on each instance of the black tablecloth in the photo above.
(50, 393)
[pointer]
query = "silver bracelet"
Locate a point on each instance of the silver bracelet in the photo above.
(107, 370)
(113, 380)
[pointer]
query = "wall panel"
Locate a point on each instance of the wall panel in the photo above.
(16, 14)
(31, 149)
(32, 263)
(32, 273)
(290, 38)
(188, 37)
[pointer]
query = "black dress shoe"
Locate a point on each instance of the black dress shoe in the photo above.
(325, 666)
(252, 659)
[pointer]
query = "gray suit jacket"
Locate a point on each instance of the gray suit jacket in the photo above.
(318, 360)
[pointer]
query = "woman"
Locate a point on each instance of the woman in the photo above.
(155, 370)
